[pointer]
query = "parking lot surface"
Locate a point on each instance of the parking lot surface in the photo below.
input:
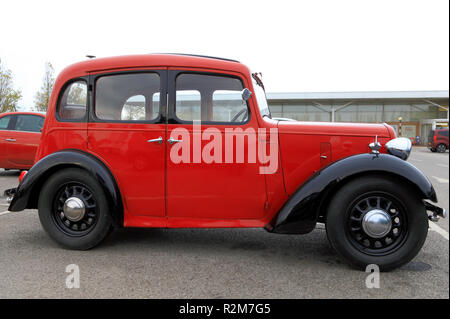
(213, 263)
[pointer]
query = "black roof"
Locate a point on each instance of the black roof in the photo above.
(202, 56)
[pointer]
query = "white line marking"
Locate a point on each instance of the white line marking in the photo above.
(439, 230)
(5, 212)
(442, 165)
(416, 160)
(441, 180)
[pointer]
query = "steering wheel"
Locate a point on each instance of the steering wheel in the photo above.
(243, 111)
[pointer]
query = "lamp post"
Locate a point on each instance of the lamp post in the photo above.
(400, 126)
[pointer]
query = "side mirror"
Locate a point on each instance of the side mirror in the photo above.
(246, 94)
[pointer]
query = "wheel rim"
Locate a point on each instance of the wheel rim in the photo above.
(75, 209)
(441, 148)
(377, 224)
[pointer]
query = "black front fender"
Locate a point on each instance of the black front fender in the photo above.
(301, 211)
(27, 193)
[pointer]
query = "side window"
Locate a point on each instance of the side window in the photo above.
(127, 97)
(443, 133)
(73, 103)
(210, 98)
(4, 122)
(29, 123)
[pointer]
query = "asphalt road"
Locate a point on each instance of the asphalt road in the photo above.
(213, 263)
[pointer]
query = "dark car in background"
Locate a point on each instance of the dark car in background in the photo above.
(438, 140)
(20, 134)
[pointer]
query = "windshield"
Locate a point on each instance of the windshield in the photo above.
(260, 94)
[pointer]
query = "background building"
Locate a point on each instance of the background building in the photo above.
(416, 112)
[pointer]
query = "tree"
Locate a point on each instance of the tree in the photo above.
(42, 97)
(8, 96)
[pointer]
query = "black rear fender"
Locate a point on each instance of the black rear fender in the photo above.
(27, 193)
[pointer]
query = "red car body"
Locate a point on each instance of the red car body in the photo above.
(127, 162)
(246, 199)
(19, 139)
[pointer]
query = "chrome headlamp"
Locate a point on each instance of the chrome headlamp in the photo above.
(400, 147)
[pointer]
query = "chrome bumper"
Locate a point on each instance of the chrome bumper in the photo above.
(9, 194)
(436, 211)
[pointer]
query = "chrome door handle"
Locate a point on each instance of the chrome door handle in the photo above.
(158, 140)
(171, 141)
(10, 139)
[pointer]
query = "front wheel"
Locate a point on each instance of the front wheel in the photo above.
(377, 220)
(73, 209)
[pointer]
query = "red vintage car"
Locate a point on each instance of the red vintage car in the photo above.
(20, 133)
(167, 140)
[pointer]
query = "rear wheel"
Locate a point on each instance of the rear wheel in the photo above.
(73, 209)
(372, 220)
(441, 148)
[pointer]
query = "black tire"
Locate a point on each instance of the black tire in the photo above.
(347, 235)
(441, 148)
(96, 223)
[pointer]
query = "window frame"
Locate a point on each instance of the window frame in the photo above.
(173, 118)
(60, 96)
(162, 102)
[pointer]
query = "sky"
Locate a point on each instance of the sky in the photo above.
(299, 46)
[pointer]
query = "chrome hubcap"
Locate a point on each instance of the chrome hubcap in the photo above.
(74, 209)
(377, 223)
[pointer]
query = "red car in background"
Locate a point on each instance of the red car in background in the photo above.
(438, 140)
(20, 133)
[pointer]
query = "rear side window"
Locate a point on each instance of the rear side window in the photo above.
(73, 103)
(127, 97)
(29, 123)
(4, 122)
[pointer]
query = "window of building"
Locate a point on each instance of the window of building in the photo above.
(188, 105)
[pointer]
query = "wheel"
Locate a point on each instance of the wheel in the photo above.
(73, 209)
(441, 148)
(376, 220)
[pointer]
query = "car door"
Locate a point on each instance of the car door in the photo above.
(24, 140)
(201, 183)
(6, 124)
(127, 130)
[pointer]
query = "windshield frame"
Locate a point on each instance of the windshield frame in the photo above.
(260, 95)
